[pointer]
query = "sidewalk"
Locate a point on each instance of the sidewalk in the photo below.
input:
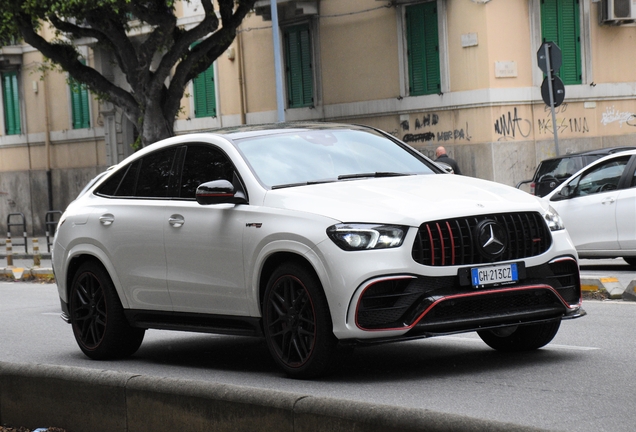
(24, 267)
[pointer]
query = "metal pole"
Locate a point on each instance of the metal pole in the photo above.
(280, 103)
(554, 123)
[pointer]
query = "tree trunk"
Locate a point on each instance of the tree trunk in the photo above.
(153, 125)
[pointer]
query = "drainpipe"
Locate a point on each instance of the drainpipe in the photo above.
(47, 141)
(280, 103)
(241, 77)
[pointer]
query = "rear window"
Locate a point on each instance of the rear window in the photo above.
(560, 169)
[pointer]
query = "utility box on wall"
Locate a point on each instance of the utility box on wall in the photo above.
(617, 12)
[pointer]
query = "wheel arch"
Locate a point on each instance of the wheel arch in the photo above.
(78, 256)
(273, 261)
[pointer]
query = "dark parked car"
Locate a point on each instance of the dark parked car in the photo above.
(552, 172)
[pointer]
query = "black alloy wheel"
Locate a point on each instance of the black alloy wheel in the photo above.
(297, 323)
(97, 317)
(521, 338)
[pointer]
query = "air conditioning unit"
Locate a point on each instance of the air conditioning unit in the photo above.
(617, 12)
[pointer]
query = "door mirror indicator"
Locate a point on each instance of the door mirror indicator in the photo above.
(220, 192)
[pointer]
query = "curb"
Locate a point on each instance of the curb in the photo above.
(96, 400)
(27, 274)
(630, 292)
(605, 285)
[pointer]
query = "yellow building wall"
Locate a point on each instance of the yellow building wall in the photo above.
(508, 30)
(613, 48)
(468, 66)
(502, 32)
(34, 92)
(228, 67)
(358, 51)
(14, 159)
(257, 52)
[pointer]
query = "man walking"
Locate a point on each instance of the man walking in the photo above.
(441, 156)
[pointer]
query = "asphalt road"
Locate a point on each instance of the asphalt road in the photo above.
(583, 381)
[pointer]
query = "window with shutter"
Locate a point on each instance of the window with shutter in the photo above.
(11, 98)
(204, 94)
(79, 104)
(298, 66)
(560, 24)
(422, 40)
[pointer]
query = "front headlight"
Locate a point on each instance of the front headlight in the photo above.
(352, 237)
(555, 223)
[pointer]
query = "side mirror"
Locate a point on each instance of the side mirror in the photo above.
(566, 192)
(220, 192)
(446, 167)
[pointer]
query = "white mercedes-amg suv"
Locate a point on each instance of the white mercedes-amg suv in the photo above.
(312, 236)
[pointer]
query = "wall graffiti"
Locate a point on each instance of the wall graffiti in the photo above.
(611, 115)
(427, 121)
(563, 124)
(510, 125)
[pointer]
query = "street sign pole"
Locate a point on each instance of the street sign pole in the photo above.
(546, 50)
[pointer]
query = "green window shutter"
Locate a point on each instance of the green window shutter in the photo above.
(11, 98)
(79, 105)
(422, 40)
(204, 94)
(298, 66)
(560, 24)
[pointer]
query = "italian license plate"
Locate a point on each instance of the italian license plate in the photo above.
(482, 276)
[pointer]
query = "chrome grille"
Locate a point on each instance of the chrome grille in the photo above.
(452, 242)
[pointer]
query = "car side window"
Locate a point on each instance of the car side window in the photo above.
(155, 173)
(149, 177)
(203, 163)
(602, 178)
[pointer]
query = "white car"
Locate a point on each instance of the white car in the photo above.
(313, 236)
(598, 207)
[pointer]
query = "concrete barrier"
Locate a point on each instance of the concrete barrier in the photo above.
(610, 286)
(630, 292)
(79, 399)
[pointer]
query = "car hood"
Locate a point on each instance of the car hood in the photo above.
(408, 200)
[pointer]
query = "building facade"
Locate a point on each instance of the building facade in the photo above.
(459, 73)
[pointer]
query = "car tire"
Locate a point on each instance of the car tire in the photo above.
(630, 260)
(520, 338)
(97, 316)
(297, 323)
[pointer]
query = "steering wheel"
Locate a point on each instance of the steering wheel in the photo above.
(607, 187)
(547, 177)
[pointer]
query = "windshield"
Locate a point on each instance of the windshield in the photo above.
(304, 157)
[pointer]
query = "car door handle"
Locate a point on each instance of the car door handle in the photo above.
(609, 200)
(176, 220)
(106, 219)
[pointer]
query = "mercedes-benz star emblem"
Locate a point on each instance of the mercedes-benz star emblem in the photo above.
(492, 239)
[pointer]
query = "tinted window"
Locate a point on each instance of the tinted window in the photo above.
(148, 177)
(560, 169)
(155, 173)
(203, 164)
(127, 185)
(110, 186)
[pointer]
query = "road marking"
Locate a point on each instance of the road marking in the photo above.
(555, 346)
(571, 347)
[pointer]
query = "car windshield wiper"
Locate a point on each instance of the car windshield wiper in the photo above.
(307, 183)
(373, 174)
